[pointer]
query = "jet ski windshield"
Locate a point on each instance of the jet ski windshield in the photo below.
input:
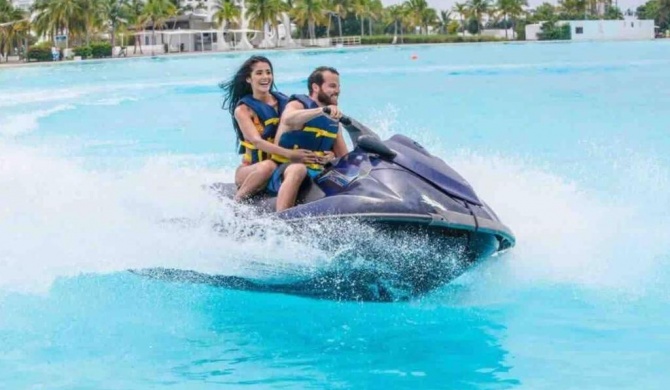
(413, 157)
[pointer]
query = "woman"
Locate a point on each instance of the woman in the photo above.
(252, 99)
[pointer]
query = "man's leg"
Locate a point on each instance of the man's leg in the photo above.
(255, 180)
(294, 174)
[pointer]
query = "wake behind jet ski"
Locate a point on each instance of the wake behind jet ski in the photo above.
(401, 220)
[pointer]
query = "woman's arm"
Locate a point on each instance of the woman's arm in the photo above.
(244, 115)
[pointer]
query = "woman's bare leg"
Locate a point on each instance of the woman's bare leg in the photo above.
(251, 178)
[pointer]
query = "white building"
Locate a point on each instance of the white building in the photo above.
(532, 30)
(23, 4)
(602, 30)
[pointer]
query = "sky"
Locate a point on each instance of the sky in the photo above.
(448, 4)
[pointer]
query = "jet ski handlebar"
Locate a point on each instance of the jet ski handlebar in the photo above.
(345, 120)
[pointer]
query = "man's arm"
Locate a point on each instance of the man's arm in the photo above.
(296, 115)
(340, 147)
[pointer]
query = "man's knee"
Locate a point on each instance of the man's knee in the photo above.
(295, 171)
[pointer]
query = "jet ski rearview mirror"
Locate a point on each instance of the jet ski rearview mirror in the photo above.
(356, 129)
(365, 138)
(375, 145)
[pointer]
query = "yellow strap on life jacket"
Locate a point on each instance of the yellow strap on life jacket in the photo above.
(250, 148)
(248, 145)
(320, 132)
(272, 121)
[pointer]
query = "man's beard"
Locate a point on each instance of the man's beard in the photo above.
(325, 99)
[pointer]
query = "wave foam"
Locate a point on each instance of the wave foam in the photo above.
(58, 219)
(19, 124)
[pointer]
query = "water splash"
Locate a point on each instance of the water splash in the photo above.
(19, 124)
(59, 219)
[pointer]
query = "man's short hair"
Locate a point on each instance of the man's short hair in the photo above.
(317, 76)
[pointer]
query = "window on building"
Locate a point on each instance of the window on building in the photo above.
(579, 30)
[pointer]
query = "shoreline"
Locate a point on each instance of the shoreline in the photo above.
(15, 65)
(231, 52)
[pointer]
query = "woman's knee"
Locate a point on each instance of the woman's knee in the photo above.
(267, 167)
(242, 172)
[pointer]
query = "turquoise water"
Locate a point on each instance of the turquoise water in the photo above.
(567, 142)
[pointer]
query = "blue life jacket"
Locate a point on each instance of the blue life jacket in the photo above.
(268, 121)
(317, 135)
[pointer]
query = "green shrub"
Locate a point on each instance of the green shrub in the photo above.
(83, 51)
(472, 25)
(414, 39)
(520, 30)
(551, 31)
(41, 52)
(453, 27)
(101, 50)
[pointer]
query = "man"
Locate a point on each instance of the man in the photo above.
(311, 123)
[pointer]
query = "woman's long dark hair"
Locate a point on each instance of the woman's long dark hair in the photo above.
(237, 87)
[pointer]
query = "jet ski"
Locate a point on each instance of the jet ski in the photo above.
(400, 221)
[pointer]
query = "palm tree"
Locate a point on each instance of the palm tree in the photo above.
(416, 12)
(114, 15)
(190, 9)
(367, 9)
(394, 16)
(340, 9)
(91, 17)
(262, 13)
(391, 17)
(226, 12)
(14, 28)
(544, 12)
(310, 12)
(429, 18)
(134, 9)
(359, 8)
(574, 9)
(157, 12)
(374, 12)
(179, 10)
(21, 32)
(443, 22)
(510, 8)
(462, 10)
(477, 9)
(57, 16)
